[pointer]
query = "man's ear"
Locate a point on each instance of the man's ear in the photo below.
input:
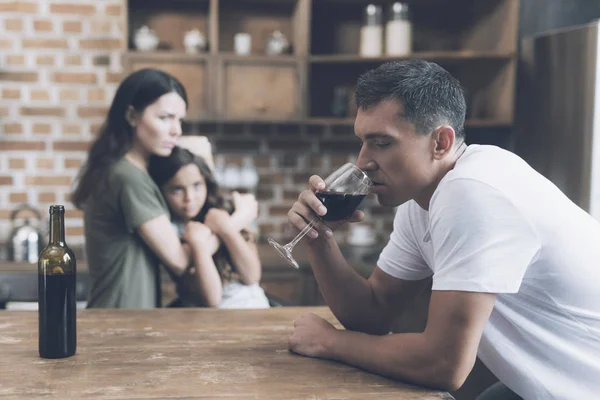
(444, 137)
(131, 116)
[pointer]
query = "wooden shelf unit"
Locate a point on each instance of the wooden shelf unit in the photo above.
(474, 39)
(435, 56)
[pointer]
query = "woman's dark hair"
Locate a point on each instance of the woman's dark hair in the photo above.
(163, 169)
(138, 90)
(428, 93)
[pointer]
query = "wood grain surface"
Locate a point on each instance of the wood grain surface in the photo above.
(183, 354)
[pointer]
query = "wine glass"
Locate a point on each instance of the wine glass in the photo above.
(344, 190)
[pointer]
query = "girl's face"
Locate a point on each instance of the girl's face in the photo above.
(159, 125)
(186, 192)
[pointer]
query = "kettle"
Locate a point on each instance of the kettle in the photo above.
(26, 240)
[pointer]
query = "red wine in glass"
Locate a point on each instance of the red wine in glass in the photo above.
(339, 205)
(344, 190)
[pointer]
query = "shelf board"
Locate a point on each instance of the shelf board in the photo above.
(487, 123)
(425, 55)
(245, 121)
(470, 123)
(229, 56)
(165, 55)
(181, 56)
(329, 121)
(170, 55)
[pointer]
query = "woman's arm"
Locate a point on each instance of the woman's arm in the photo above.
(160, 235)
(202, 282)
(244, 255)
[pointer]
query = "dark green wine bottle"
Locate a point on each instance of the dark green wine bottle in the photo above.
(56, 292)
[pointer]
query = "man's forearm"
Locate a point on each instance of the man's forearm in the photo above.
(348, 294)
(408, 357)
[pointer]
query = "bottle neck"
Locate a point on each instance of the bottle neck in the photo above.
(57, 228)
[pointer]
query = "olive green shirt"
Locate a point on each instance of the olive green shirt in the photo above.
(123, 270)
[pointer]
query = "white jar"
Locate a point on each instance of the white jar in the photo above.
(194, 41)
(371, 33)
(242, 43)
(398, 31)
(145, 39)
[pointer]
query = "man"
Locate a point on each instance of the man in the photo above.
(515, 264)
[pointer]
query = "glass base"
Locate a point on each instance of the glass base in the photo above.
(285, 252)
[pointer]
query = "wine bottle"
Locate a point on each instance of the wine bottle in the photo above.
(56, 292)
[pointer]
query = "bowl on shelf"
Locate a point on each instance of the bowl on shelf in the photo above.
(145, 39)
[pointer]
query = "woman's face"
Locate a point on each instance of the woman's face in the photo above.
(159, 126)
(186, 192)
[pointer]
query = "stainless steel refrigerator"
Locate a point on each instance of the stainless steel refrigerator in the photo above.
(558, 110)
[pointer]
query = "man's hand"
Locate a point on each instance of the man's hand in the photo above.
(311, 335)
(307, 205)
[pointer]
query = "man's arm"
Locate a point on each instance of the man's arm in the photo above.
(360, 305)
(441, 357)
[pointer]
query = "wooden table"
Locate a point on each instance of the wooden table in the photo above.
(182, 354)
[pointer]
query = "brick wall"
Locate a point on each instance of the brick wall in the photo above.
(286, 155)
(59, 66)
(60, 63)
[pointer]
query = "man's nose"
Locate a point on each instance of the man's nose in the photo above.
(364, 162)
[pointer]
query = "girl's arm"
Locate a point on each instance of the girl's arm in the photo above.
(211, 244)
(202, 282)
(244, 255)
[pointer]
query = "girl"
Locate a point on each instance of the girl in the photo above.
(127, 225)
(226, 264)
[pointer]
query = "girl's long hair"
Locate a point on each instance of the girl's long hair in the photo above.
(163, 169)
(138, 90)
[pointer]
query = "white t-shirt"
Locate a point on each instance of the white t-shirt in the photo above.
(497, 226)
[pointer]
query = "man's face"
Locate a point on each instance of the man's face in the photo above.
(399, 161)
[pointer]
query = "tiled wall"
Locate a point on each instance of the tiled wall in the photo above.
(60, 63)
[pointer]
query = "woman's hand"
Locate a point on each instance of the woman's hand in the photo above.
(217, 220)
(197, 234)
(245, 210)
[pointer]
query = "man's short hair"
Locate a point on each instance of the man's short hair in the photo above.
(428, 93)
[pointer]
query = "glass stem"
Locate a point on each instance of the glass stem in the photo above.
(302, 233)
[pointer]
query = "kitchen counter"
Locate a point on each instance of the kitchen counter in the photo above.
(183, 354)
(363, 260)
(283, 283)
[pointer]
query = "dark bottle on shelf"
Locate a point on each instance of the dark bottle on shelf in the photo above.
(56, 292)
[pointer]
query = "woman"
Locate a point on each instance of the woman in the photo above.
(227, 268)
(127, 226)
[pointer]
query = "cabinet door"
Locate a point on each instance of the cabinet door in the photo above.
(260, 89)
(192, 72)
